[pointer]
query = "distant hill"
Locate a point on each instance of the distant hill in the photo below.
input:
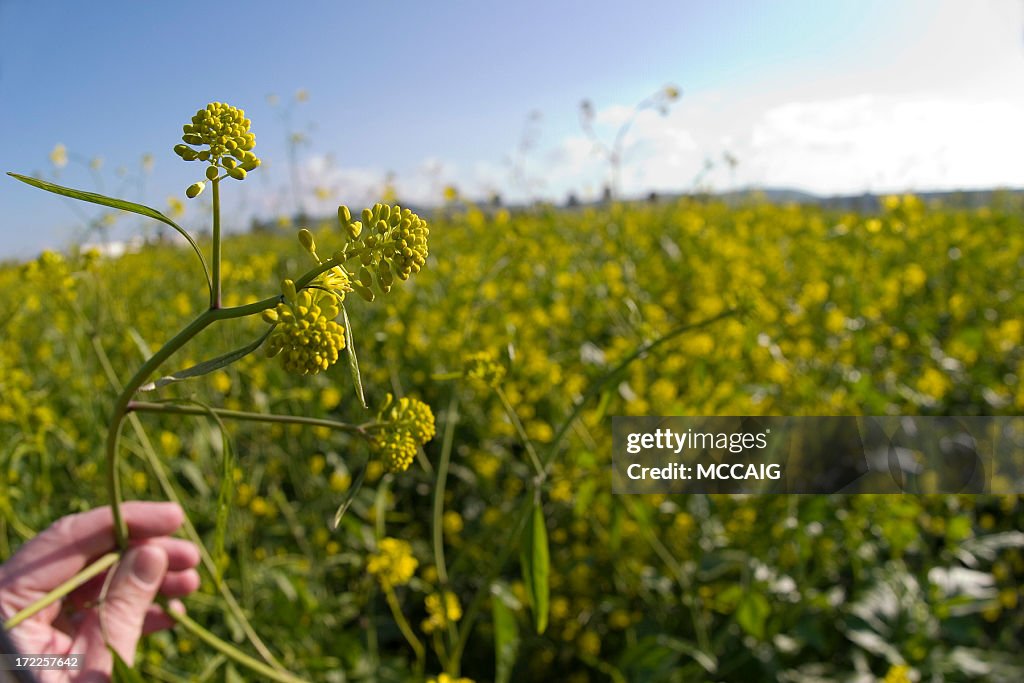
(870, 202)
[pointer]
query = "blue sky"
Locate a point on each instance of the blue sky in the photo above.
(844, 96)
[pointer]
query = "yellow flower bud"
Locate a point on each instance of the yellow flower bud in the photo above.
(384, 276)
(211, 172)
(195, 189)
(363, 291)
(365, 277)
(288, 289)
(306, 240)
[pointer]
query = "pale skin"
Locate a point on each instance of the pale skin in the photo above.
(154, 564)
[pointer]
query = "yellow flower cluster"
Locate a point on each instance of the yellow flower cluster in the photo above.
(898, 673)
(51, 270)
(408, 423)
(394, 244)
(393, 564)
(445, 678)
(306, 336)
(224, 130)
(483, 367)
(441, 611)
(396, 449)
(59, 155)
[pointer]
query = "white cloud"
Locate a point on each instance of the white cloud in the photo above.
(888, 143)
(838, 145)
(615, 115)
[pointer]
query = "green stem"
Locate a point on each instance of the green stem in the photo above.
(165, 484)
(439, 486)
(684, 579)
(473, 612)
(507, 548)
(446, 376)
(204, 320)
(146, 406)
(94, 569)
(517, 423)
(229, 650)
(437, 521)
(215, 291)
(121, 409)
(403, 625)
(597, 386)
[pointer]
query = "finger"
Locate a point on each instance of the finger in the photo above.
(181, 554)
(59, 552)
(157, 619)
(119, 620)
(37, 636)
(175, 584)
(180, 584)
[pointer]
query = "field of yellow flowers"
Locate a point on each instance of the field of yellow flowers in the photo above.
(525, 332)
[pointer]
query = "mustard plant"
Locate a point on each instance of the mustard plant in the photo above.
(308, 330)
(660, 101)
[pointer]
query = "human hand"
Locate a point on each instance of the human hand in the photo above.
(153, 563)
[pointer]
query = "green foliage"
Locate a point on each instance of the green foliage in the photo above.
(536, 567)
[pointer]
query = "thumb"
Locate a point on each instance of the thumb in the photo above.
(118, 621)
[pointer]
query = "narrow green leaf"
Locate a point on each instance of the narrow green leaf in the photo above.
(655, 657)
(602, 405)
(707, 660)
(123, 673)
(194, 475)
(535, 563)
(208, 366)
(225, 492)
(211, 668)
(350, 495)
(225, 496)
(506, 638)
(353, 362)
(752, 614)
(140, 343)
(103, 200)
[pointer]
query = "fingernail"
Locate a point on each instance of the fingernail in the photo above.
(148, 565)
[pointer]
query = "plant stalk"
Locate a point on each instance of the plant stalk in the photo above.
(229, 650)
(94, 569)
(204, 320)
(215, 291)
(145, 406)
